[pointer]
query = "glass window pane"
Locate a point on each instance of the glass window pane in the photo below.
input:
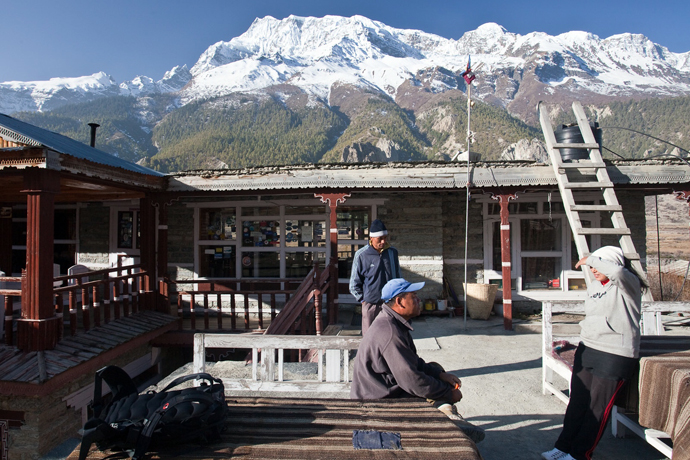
(346, 254)
(125, 229)
(65, 256)
(260, 233)
(217, 224)
(261, 211)
(19, 233)
(217, 262)
(541, 273)
(554, 207)
(298, 264)
(353, 223)
(305, 234)
(574, 256)
(260, 265)
(575, 284)
(540, 234)
(304, 210)
(525, 208)
(65, 224)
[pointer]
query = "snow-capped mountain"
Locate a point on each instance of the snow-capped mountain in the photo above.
(318, 54)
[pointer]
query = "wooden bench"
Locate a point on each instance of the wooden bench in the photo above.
(268, 374)
(651, 326)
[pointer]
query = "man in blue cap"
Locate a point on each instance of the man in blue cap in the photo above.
(387, 364)
(372, 267)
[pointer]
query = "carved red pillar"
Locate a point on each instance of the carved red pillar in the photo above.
(162, 259)
(332, 199)
(147, 213)
(6, 240)
(38, 327)
(505, 259)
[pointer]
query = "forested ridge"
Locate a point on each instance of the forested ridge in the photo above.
(255, 130)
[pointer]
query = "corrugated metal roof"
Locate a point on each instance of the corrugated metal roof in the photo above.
(29, 134)
(417, 175)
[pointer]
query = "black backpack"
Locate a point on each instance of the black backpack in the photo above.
(134, 422)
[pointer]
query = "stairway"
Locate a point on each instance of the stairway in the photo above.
(584, 185)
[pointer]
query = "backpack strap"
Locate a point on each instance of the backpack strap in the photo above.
(150, 425)
(198, 376)
(94, 430)
(120, 384)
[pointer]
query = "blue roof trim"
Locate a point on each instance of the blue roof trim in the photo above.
(65, 145)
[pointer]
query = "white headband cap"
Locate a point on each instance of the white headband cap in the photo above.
(610, 253)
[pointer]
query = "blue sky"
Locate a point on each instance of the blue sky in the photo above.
(125, 38)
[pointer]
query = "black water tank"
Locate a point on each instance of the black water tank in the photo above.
(570, 134)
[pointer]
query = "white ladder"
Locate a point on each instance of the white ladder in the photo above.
(600, 186)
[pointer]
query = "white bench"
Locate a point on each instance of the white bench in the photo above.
(268, 375)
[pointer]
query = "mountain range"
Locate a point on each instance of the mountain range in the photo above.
(352, 89)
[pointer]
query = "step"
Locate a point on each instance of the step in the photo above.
(602, 231)
(596, 207)
(582, 165)
(587, 185)
(559, 145)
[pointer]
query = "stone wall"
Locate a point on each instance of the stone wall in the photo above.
(48, 421)
(94, 234)
(415, 226)
(454, 217)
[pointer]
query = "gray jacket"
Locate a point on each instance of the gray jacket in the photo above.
(387, 365)
(612, 311)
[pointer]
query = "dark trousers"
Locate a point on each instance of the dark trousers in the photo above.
(369, 313)
(591, 402)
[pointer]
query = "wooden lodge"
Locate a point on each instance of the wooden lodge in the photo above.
(107, 262)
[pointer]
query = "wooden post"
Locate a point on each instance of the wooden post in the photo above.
(161, 273)
(505, 259)
(147, 243)
(6, 240)
(37, 329)
(332, 200)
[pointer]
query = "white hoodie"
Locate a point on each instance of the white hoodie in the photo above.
(612, 311)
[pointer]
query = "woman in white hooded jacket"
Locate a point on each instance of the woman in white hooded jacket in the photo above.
(607, 355)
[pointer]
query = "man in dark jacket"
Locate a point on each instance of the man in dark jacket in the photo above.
(387, 364)
(372, 267)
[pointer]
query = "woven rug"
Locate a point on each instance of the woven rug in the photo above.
(282, 428)
(664, 397)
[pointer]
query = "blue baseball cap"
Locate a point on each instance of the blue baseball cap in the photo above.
(398, 286)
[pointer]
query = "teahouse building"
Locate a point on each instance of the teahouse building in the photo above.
(69, 204)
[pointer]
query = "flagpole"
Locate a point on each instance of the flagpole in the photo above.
(467, 194)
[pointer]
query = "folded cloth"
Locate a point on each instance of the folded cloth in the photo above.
(376, 440)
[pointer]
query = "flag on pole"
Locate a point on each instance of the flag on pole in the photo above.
(468, 75)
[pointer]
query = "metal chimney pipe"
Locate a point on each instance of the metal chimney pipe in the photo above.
(93, 133)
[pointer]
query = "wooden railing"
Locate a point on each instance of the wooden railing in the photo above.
(100, 296)
(290, 305)
(9, 297)
(89, 298)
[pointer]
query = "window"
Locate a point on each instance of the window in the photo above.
(243, 240)
(128, 230)
(543, 254)
(353, 224)
(65, 238)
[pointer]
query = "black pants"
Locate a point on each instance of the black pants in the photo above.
(591, 402)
